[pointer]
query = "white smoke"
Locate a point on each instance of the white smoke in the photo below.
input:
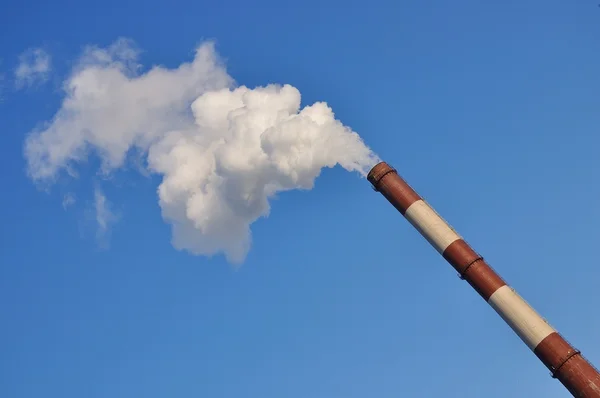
(103, 214)
(34, 67)
(222, 150)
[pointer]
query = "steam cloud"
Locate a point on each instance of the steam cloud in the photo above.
(222, 150)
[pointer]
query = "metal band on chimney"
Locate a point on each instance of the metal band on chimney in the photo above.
(565, 362)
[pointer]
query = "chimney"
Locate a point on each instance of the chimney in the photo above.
(564, 361)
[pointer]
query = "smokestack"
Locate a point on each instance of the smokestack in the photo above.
(564, 361)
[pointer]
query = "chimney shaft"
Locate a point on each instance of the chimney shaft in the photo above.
(564, 362)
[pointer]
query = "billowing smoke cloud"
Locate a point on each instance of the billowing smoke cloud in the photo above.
(222, 150)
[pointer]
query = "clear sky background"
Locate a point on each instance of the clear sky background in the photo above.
(489, 109)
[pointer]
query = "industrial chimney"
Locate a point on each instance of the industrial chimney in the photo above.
(565, 362)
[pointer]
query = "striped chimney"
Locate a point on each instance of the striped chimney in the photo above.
(564, 361)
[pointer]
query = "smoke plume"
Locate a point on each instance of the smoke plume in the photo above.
(222, 150)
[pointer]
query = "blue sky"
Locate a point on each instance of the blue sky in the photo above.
(489, 110)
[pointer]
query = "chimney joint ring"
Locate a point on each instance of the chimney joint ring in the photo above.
(464, 271)
(375, 182)
(571, 355)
